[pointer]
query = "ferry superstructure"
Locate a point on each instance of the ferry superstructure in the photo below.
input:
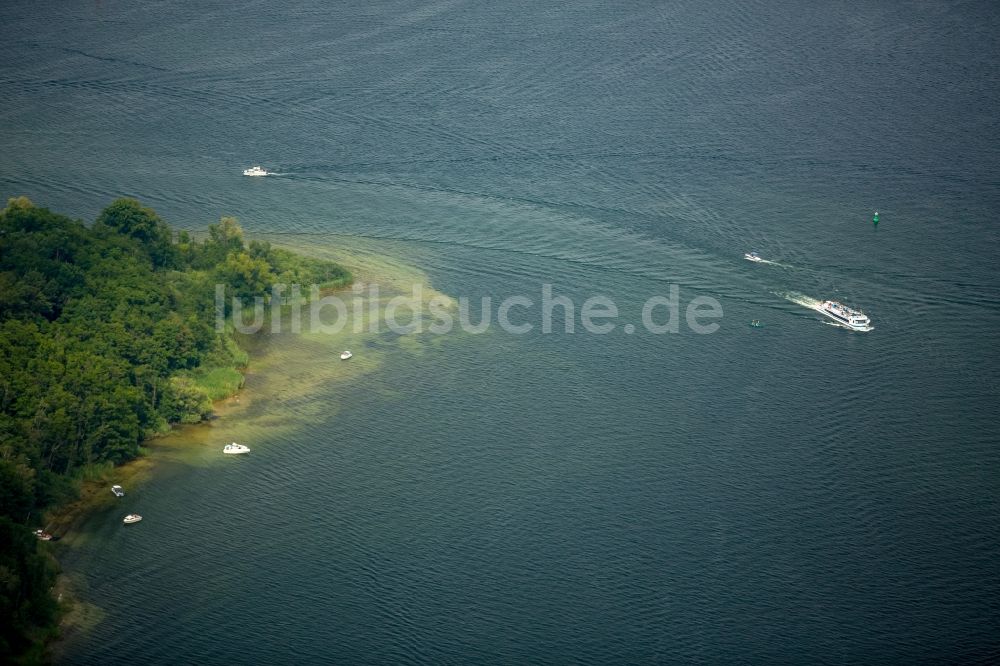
(856, 320)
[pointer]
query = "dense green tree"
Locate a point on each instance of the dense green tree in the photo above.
(25, 579)
(223, 238)
(102, 333)
(17, 488)
(129, 217)
(227, 233)
(244, 275)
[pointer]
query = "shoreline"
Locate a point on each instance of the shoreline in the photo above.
(267, 358)
(95, 491)
(65, 521)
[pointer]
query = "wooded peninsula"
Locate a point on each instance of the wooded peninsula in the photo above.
(107, 337)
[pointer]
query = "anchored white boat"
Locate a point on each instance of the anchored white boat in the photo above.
(856, 320)
(131, 518)
(118, 491)
(234, 449)
(256, 171)
(752, 256)
(344, 355)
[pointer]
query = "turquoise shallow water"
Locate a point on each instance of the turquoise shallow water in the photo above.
(796, 493)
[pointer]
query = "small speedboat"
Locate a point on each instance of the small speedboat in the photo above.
(43, 535)
(118, 491)
(256, 171)
(131, 518)
(344, 355)
(752, 256)
(234, 448)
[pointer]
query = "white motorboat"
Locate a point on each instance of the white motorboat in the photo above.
(856, 320)
(43, 535)
(118, 491)
(752, 256)
(344, 355)
(132, 518)
(256, 171)
(234, 449)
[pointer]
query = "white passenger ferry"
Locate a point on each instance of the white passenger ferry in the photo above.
(256, 171)
(856, 320)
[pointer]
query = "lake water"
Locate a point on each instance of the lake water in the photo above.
(794, 493)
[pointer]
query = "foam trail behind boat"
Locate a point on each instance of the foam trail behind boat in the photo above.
(801, 299)
(774, 263)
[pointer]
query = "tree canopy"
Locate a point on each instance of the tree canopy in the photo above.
(103, 333)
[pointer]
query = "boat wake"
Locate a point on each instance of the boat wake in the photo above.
(817, 305)
(757, 259)
(802, 299)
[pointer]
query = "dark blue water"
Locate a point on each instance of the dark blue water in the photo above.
(796, 493)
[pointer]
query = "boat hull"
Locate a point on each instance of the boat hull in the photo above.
(853, 327)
